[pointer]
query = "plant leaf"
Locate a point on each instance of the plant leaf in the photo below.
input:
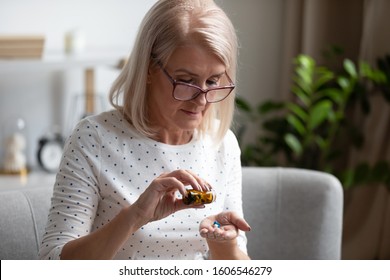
(375, 75)
(305, 77)
(347, 178)
(243, 105)
(362, 173)
(345, 84)
(305, 61)
(300, 93)
(294, 144)
(319, 113)
(334, 94)
(270, 106)
(297, 110)
(297, 124)
(323, 76)
(321, 142)
(350, 67)
(304, 73)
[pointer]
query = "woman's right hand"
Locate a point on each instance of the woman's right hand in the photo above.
(159, 200)
(156, 202)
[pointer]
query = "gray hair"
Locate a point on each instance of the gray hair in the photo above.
(168, 25)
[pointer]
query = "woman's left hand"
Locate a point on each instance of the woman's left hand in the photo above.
(222, 227)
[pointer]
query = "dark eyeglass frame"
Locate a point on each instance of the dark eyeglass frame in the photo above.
(200, 90)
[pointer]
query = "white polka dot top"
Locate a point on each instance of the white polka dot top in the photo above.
(106, 165)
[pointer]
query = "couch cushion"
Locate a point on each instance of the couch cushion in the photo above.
(22, 222)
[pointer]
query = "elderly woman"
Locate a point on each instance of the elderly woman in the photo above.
(124, 173)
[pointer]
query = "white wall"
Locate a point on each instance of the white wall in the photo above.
(259, 28)
(106, 23)
(259, 25)
(44, 98)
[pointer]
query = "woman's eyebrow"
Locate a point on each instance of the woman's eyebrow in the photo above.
(186, 71)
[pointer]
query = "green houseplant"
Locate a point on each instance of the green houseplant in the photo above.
(313, 129)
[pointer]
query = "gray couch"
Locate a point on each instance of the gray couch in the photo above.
(294, 214)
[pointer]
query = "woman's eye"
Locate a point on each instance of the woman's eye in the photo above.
(212, 83)
(186, 81)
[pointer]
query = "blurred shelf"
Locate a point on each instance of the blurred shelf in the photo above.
(61, 61)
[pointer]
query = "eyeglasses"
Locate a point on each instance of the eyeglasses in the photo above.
(184, 91)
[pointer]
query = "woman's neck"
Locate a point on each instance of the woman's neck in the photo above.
(174, 138)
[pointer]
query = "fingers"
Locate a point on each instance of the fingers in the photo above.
(190, 178)
(179, 179)
(230, 217)
(223, 226)
(160, 197)
(168, 184)
(219, 234)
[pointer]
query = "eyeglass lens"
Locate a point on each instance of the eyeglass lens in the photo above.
(186, 92)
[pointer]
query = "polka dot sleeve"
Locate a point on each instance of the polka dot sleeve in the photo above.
(75, 193)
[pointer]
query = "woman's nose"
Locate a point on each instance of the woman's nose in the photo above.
(201, 99)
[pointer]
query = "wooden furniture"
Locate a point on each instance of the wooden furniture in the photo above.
(16, 47)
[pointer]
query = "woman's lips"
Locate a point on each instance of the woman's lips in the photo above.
(191, 113)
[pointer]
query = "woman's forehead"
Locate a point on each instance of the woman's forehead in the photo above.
(195, 58)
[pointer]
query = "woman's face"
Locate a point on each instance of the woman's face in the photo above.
(191, 64)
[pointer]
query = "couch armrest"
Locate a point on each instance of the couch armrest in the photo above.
(23, 216)
(294, 213)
